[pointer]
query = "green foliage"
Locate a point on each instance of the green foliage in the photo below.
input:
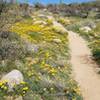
(93, 37)
(17, 90)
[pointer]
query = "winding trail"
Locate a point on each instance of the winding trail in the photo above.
(83, 67)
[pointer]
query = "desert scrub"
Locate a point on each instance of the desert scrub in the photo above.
(95, 43)
(11, 49)
(47, 69)
(93, 39)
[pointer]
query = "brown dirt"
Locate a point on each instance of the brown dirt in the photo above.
(84, 67)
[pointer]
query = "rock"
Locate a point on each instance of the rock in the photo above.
(85, 29)
(40, 22)
(45, 9)
(41, 15)
(90, 24)
(13, 77)
(57, 40)
(51, 18)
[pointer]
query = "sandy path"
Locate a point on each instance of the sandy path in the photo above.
(83, 69)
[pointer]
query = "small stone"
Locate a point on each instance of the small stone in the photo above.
(57, 40)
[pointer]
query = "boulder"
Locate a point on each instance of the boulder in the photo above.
(13, 78)
(85, 29)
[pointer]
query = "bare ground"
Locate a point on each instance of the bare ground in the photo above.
(84, 67)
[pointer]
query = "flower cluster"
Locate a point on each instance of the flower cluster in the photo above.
(18, 89)
(4, 86)
(21, 89)
(48, 68)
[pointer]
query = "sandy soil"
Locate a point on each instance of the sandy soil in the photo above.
(83, 67)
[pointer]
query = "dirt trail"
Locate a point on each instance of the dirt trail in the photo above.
(83, 68)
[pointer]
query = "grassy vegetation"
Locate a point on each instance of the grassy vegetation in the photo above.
(42, 55)
(31, 43)
(95, 43)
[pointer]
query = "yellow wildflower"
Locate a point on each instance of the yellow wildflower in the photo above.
(25, 88)
(52, 70)
(5, 87)
(2, 86)
(39, 78)
(77, 90)
(74, 98)
(43, 62)
(30, 73)
(53, 74)
(47, 54)
(1, 83)
(23, 82)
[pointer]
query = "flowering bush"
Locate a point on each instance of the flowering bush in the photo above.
(93, 38)
(18, 89)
